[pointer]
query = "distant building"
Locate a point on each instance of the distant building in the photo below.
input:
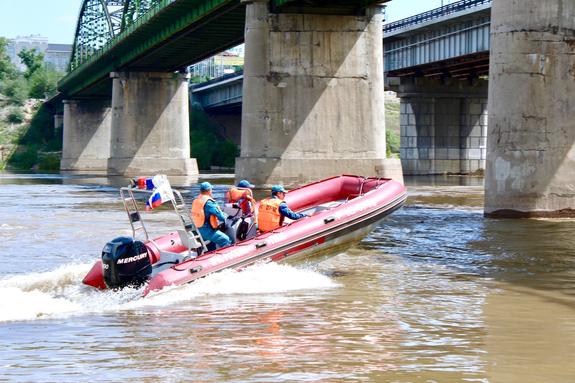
(56, 56)
(223, 63)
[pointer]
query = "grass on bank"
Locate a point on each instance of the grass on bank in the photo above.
(31, 142)
(26, 127)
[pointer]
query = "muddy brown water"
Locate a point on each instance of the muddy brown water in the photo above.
(436, 293)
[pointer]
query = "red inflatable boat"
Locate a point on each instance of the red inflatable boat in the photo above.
(342, 210)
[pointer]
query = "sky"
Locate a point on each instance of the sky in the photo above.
(56, 19)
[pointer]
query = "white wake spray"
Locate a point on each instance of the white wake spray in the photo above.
(60, 293)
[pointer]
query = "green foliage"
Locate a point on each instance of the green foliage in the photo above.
(40, 135)
(49, 161)
(43, 83)
(33, 60)
(199, 79)
(16, 89)
(209, 148)
(24, 158)
(392, 116)
(392, 143)
(15, 116)
(392, 128)
(226, 154)
(7, 69)
(41, 131)
(38, 82)
(9, 134)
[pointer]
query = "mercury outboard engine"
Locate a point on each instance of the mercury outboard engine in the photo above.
(125, 262)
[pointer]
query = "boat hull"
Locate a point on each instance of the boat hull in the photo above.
(323, 233)
(343, 211)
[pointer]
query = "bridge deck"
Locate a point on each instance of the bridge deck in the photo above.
(177, 34)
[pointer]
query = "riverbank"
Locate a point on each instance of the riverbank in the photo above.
(28, 138)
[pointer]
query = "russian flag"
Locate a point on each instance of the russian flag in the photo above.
(154, 201)
(161, 194)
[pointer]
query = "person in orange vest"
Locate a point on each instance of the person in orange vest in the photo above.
(242, 196)
(207, 216)
(273, 210)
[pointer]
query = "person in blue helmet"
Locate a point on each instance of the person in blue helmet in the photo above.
(273, 210)
(207, 216)
(242, 196)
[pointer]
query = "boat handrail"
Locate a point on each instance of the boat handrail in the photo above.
(361, 187)
(378, 180)
(194, 239)
(131, 207)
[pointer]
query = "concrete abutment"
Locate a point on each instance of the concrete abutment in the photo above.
(313, 97)
(530, 169)
(143, 130)
(443, 126)
(86, 136)
(150, 125)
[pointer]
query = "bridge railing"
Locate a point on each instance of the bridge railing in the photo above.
(93, 54)
(433, 14)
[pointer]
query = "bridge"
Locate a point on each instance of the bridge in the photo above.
(312, 92)
(437, 61)
(126, 94)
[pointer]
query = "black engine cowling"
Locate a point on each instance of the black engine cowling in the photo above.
(125, 262)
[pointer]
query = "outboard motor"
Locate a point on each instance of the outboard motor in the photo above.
(125, 262)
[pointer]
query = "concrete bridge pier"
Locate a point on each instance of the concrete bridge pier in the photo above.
(443, 125)
(313, 101)
(86, 136)
(531, 142)
(150, 125)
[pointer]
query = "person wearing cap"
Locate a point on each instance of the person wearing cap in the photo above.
(242, 196)
(206, 215)
(273, 210)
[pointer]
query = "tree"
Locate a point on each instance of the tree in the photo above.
(7, 69)
(16, 88)
(33, 60)
(44, 83)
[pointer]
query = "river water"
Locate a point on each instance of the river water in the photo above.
(436, 293)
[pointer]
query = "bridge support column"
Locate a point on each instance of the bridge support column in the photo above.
(443, 126)
(531, 144)
(86, 136)
(150, 125)
(313, 102)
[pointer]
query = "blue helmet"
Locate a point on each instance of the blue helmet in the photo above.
(205, 186)
(245, 184)
(278, 189)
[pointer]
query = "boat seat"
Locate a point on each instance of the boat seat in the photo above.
(322, 207)
(172, 258)
(167, 260)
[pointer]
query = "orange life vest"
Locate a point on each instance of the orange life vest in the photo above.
(235, 194)
(269, 217)
(198, 214)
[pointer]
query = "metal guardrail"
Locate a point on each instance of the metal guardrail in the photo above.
(433, 14)
(217, 79)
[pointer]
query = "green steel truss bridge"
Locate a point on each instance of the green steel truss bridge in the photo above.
(164, 35)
